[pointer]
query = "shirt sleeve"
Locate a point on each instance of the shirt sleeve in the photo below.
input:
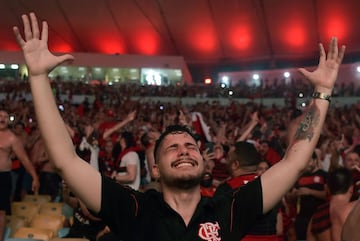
(247, 205)
(119, 206)
(131, 158)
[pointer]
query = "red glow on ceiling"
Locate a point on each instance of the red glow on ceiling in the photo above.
(9, 46)
(61, 48)
(336, 28)
(295, 35)
(203, 39)
(240, 38)
(146, 43)
(110, 45)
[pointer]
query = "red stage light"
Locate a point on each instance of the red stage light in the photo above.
(203, 39)
(295, 35)
(336, 28)
(61, 47)
(240, 38)
(9, 46)
(207, 81)
(110, 45)
(146, 43)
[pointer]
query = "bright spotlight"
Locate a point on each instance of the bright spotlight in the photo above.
(358, 69)
(208, 81)
(223, 85)
(225, 78)
(2, 66)
(301, 95)
(14, 66)
(286, 74)
(231, 92)
(303, 104)
(256, 76)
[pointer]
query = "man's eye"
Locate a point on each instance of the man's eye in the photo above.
(170, 148)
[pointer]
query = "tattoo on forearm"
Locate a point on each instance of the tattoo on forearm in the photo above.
(305, 129)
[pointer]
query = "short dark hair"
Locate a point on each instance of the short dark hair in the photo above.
(20, 123)
(128, 138)
(339, 181)
(145, 139)
(246, 154)
(172, 129)
(265, 142)
(4, 110)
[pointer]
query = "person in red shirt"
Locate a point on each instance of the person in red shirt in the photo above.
(243, 164)
(268, 153)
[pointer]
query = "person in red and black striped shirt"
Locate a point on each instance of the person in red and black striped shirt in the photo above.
(329, 218)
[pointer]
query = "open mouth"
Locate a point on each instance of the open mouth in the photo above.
(184, 162)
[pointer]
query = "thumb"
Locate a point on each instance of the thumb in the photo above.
(304, 72)
(66, 58)
(62, 59)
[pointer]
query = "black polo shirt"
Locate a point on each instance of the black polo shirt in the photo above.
(137, 216)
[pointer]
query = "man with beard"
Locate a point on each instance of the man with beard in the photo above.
(179, 212)
(10, 143)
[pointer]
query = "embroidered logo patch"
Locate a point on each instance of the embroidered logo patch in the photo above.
(209, 231)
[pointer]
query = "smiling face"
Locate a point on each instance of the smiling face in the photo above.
(179, 161)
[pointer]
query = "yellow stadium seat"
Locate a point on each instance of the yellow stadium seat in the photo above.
(25, 209)
(14, 223)
(51, 208)
(34, 233)
(69, 239)
(48, 221)
(37, 198)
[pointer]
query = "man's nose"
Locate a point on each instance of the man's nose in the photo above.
(183, 150)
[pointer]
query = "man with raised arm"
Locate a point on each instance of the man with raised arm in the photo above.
(179, 212)
(11, 144)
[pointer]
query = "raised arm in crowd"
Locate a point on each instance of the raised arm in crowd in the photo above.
(179, 165)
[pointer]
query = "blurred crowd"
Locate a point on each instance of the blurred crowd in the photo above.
(116, 135)
(275, 88)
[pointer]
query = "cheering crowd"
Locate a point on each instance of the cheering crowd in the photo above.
(200, 172)
(118, 140)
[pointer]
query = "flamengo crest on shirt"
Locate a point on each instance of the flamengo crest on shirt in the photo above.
(209, 231)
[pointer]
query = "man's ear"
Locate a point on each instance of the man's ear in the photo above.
(155, 171)
(235, 165)
(351, 189)
(327, 190)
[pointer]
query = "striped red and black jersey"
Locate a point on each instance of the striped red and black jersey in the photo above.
(321, 219)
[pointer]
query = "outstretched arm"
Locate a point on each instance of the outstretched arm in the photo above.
(19, 150)
(249, 127)
(303, 141)
(130, 117)
(81, 177)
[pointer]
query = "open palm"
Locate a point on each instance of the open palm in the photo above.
(37, 56)
(325, 74)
